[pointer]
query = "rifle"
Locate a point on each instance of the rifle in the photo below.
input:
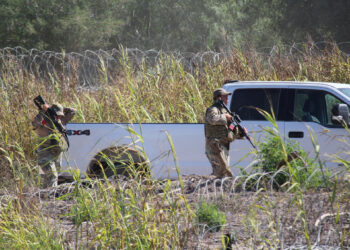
(52, 116)
(235, 121)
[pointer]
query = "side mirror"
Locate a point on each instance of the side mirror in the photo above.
(344, 112)
(340, 114)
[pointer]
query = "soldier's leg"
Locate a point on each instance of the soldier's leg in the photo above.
(49, 177)
(210, 152)
(220, 158)
(214, 164)
(58, 161)
(226, 171)
(48, 172)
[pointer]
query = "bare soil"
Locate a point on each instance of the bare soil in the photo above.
(254, 219)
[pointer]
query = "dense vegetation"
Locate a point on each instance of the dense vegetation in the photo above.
(146, 93)
(196, 25)
(73, 52)
(151, 214)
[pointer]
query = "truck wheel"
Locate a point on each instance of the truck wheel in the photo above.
(118, 161)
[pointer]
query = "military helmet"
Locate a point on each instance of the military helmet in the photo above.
(220, 92)
(58, 108)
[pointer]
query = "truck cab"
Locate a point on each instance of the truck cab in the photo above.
(303, 112)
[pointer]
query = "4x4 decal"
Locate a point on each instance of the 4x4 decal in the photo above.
(78, 132)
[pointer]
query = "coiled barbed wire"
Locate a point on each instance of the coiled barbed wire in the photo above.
(55, 207)
(88, 64)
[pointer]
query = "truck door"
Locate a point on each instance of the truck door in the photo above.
(312, 115)
(245, 103)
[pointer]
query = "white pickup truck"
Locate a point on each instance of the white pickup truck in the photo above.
(300, 107)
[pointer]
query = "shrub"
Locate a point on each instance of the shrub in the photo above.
(208, 214)
(272, 155)
(303, 170)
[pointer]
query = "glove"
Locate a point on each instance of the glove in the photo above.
(240, 131)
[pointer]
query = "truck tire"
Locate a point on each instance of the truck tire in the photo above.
(118, 161)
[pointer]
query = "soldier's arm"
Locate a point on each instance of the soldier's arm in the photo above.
(69, 113)
(214, 117)
(38, 120)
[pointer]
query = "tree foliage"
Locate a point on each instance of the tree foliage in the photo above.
(196, 25)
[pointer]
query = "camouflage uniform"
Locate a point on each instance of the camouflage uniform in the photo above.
(217, 140)
(51, 143)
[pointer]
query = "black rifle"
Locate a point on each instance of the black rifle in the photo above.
(235, 121)
(39, 101)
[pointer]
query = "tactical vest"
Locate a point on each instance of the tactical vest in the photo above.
(54, 142)
(216, 131)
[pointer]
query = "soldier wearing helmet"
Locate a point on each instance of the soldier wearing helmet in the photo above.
(52, 143)
(218, 136)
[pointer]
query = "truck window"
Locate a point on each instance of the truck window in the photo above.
(331, 100)
(345, 91)
(314, 106)
(246, 101)
(308, 106)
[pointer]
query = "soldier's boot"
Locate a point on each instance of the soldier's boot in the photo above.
(228, 173)
(224, 172)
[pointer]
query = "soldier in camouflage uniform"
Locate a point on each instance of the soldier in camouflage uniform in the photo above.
(52, 143)
(218, 136)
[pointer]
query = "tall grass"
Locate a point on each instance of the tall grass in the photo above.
(164, 92)
(136, 215)
(27, 231)
(130, 216)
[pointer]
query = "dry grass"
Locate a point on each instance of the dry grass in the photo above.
(164, 92)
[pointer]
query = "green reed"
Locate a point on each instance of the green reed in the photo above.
(137, 216)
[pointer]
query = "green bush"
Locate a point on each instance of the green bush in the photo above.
(274, 153)
(208, 214)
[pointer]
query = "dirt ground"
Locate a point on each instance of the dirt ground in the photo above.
(254, 219)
